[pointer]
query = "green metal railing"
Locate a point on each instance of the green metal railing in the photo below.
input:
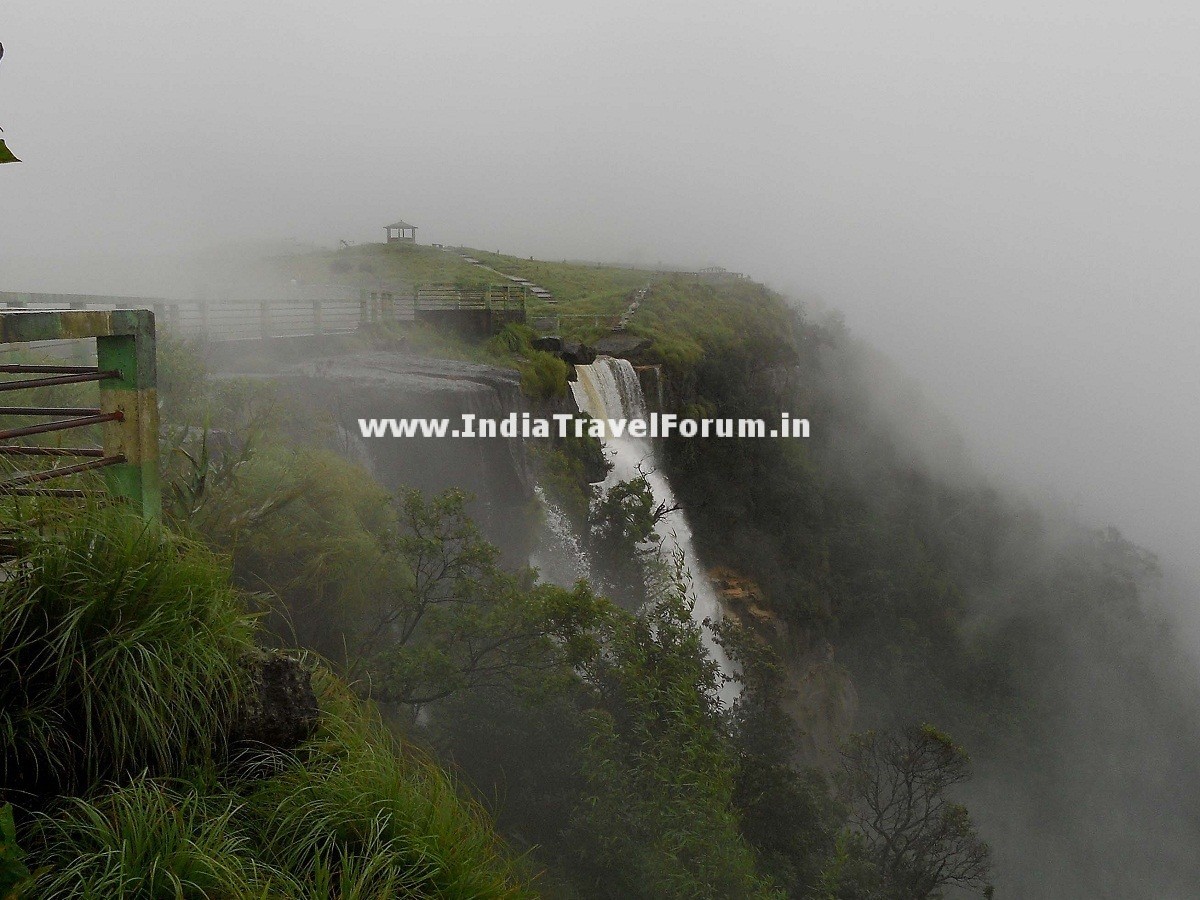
(127, 413)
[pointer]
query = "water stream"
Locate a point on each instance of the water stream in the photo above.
(558, 556)
(609, 389)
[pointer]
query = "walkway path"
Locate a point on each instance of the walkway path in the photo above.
(540, 292)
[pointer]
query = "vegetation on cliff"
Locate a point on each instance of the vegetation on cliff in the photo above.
(1037, 642)
(123, 643)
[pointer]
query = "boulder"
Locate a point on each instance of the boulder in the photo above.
(549, 343)
(622, 346)
(578, 354)
(279, 708)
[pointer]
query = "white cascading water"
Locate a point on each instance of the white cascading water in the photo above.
(559, 556)
(609, 389)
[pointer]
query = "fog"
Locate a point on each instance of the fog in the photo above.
(1000, 196)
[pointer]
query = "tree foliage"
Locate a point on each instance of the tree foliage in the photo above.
(898, 786)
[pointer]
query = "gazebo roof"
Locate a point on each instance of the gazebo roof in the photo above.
(401, 225)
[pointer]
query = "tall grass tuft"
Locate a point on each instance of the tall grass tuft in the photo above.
(353, 819)
(118, 650)
(345, 817)
(150, 839)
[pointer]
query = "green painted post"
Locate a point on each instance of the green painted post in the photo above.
(134, 394)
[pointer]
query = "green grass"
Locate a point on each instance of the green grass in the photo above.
(574, 283)
(119, 678)
(392, 265)
(684, 316)
(359, 811)
(148, 839)
(118, 648)
(349, 815)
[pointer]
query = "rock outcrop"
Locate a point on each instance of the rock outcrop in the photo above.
(396, 385)
(279, 708)
(623, 346)
(821, 698)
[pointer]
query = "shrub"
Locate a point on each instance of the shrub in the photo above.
(345, 816)
(13, 871)
(544, 376)
(513, 338)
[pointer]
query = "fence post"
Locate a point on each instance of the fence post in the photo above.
(416, 300)
(134, 394)
(80, 352)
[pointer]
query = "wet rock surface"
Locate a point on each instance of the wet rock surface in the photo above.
(822, 700)
(623, 346)
(401, 385)
(279, 708)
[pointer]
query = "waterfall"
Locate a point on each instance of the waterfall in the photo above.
(559, 556)
(609, 389)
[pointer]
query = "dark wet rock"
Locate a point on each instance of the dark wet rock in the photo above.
(578, 354)
(279, 708)
(623, 346)
(496, 471)
(550, 344)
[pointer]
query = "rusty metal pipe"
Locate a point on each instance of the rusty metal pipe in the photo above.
(49, 410)
(47, 474)
(92, 375)
(60, 425)
(15, 368)
(51, 451)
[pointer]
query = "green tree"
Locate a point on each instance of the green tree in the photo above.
(456, 620)
(656, 817)
(787, 815)
(623, 535)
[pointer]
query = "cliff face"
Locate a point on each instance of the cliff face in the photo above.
(821, 698)
(497, 471)
(377, 385)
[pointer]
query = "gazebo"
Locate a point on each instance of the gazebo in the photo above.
(401, 233)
